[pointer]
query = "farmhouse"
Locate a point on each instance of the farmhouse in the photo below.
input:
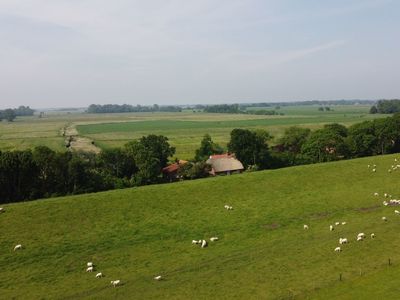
(224, 164)
(171, 171)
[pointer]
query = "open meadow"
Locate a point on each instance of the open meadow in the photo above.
(263, 252)
(184, 130)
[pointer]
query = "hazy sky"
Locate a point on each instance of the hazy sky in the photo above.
(63, 53)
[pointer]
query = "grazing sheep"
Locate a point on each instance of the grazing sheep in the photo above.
(2, 210)
(361, 235)
(213, 239)
(115, 282)
(338, 249)
(305, 226)
(228, 207)
(369, 166)
(342, 241)
(344, 223)
(90, 269)
(359, 238)
(98, 275)
(384, 219)
(376, 194)
(372, 235)
(385, 195)
(396, 211)
(385, 203)
(203, 244)
(331, 227)
(158, 277)
(18, 247)
(196, 242)
(337, 223)
(89, 264)
(373, 170)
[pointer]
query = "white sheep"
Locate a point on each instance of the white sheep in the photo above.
(18, 247)
(385, 203)
(337, 223)
(343, 241)
(2, 210)
(385, 195)
(89, 269)
(369, 166)
(396, 211)
(384, 219)
(305, 226)
(98, 275)
(331, 227)
(203, 244)
(376, 194)
(372, 235)
(359, 238)
(213, 239)
(361, 235)
(338, 249)
(196, 242)
(159, 277)
(89, 264)
(374, 170)
(115, 282)
(344, 223)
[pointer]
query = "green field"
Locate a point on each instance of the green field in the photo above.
(184, 130)
(263, 251)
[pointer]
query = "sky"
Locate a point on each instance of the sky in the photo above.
(71, 53)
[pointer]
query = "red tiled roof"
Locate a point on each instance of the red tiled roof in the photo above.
(174, 167)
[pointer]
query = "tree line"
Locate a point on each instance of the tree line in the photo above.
(126, 108)
(386, 107)
(10, 114)
(42, 172)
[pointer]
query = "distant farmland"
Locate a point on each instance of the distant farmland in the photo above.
(184, 130)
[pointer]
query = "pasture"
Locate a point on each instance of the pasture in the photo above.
(184, 130)
(263, 251)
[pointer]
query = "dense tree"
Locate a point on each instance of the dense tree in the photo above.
(337, 128)
(117, 163)
(249, 147)
(223, 108)
(24, 111)
(361, 139)
(293, 139)
(18, 176)
(325, 145)
(207, 148)
(150, 155)
(373, 110)
(388, 106)
(194, 170)
(115, 108)
(9, 114)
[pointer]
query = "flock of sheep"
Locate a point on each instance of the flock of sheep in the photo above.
(203, 243)
(361, 236)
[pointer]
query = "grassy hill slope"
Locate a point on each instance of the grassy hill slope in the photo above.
(263, 251)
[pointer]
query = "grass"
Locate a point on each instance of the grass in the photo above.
(263, 251)
(184, 130)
